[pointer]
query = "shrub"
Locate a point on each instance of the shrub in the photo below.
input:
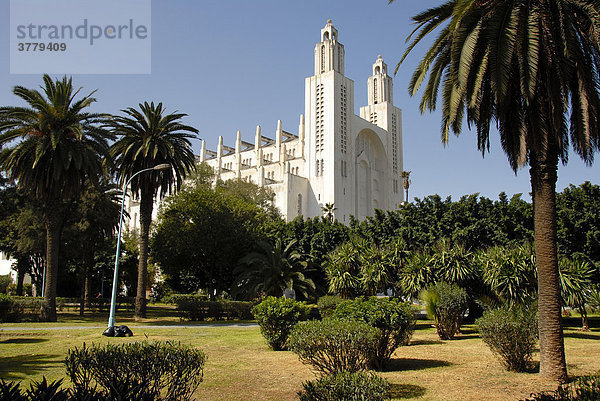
(586, 388)
(43, 391)
(394, 318)
(11, 391)
(197, 307)
(5, 281)
(511, 334)
(17, 309)
(5, 306)
(446, 304)
(327, 305)
(136, 371)
(346, 386)
(188, 306)
(276, 318)
(333, 345)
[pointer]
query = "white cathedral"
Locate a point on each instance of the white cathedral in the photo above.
(354, 162)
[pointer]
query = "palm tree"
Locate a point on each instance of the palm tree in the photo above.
(343, 270)
(533, 68)
(510, 274)
(147, 138)
(328, 211)
(406, 182)
(576, 283)
(272, 269)
(58, 146)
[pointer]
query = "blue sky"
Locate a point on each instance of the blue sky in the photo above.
(231, 65)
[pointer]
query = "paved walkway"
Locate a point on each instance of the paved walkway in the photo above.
(165, 326)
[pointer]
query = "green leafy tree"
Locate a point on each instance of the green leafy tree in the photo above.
(271, 269)
(578, 210)
(533, 68)
(58, 146)
(95, 219)
(201, 233)
(146, 138)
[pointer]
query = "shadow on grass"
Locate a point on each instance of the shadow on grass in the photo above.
(464, 337)
(464, 330)
(425, 342)
(583, 335)
(24, 341)
(405, 391)
(20, 366)
(399, 364)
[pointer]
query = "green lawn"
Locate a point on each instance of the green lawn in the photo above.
(241, 367)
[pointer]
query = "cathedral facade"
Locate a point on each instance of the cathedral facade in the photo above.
(336, 157)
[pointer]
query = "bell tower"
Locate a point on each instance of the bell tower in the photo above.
(380, 84)
(329, 53)
(380, 110)
(329, 107)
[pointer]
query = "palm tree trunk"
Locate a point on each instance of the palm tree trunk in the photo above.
(552, 352)
(146, 205)
(53, 228)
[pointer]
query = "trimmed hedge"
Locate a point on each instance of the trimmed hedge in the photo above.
(333, 346)
(394, 318)
(159, 370)
(18, 309)
(276, 318)
(198, 307)
(327, 305)
(346, 386)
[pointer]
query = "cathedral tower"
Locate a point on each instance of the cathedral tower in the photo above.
(329, 107)
(380, 110)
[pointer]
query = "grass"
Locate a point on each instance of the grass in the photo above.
(241, 367)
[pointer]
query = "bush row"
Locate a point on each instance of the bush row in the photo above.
(197, 308)
(18, 309)
(364, 331)
(141, 371)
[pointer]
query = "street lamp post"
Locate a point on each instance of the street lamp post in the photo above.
(113, 301)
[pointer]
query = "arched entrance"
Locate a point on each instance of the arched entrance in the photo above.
(371, 163)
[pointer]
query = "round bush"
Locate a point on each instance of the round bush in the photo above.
(395, 320)
(276, 318)
(332, 345)
(136, 371)
(346, 386)
(327, 305)
(446, 304)
(511, 334)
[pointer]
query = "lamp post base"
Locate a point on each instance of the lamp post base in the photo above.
(118, 331)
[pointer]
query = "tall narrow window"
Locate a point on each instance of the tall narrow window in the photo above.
(375, 91)
(299, 204)
(322, 58)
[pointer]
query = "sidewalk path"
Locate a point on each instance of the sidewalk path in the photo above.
(165, 326)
